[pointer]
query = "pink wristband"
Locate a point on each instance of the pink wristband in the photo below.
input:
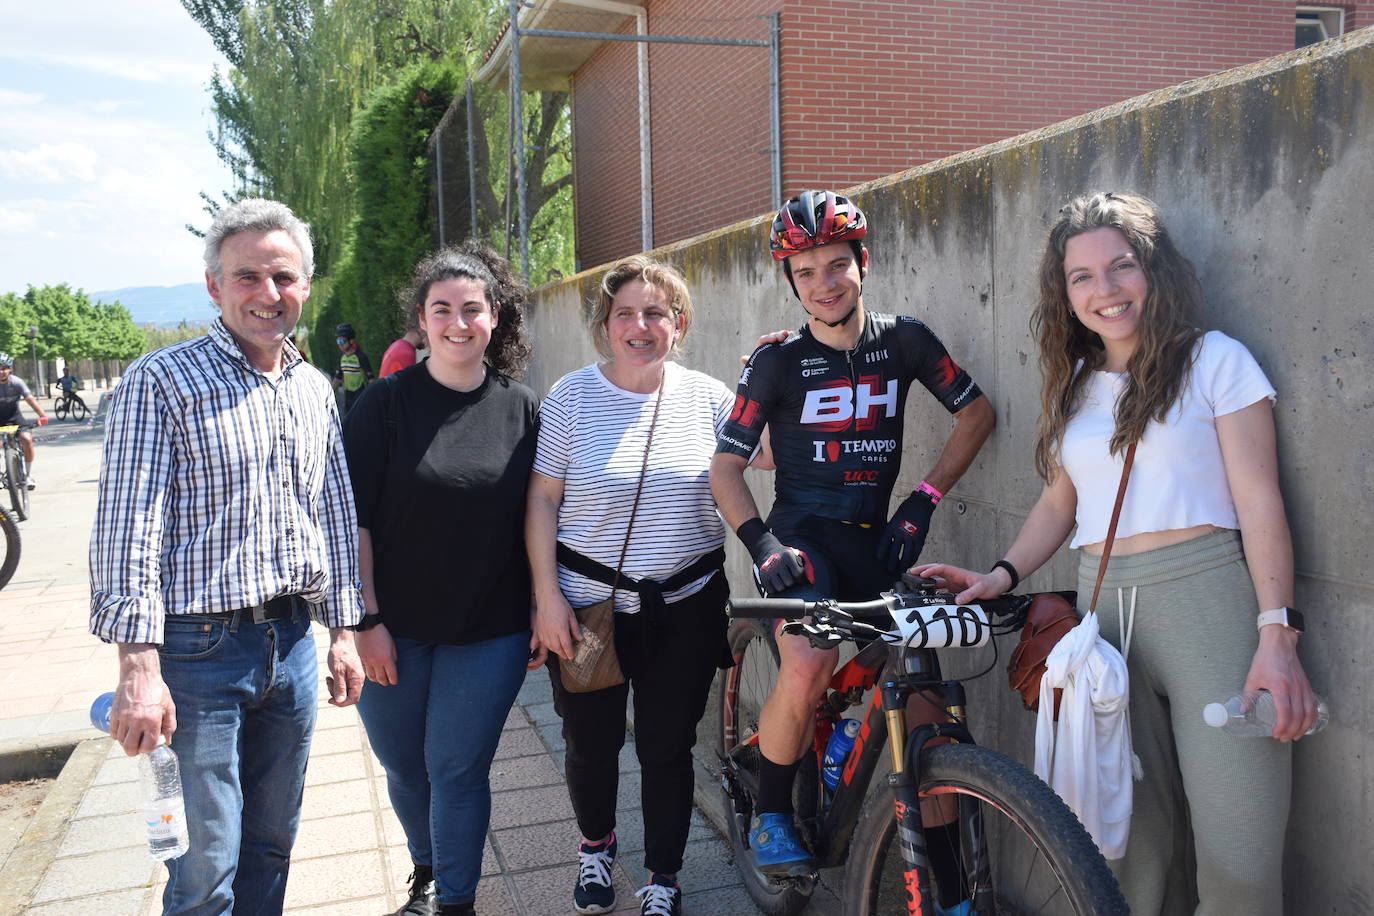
(934, 494)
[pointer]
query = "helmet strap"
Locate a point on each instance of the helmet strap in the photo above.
(836, 324)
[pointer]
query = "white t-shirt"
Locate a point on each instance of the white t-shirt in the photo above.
(1178, 479)
(592, 436)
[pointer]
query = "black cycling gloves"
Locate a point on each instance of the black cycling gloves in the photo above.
(905, 535)
(777, 567)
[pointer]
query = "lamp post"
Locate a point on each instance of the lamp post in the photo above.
(32, 335)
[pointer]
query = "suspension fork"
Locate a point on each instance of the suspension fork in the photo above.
(905, 777)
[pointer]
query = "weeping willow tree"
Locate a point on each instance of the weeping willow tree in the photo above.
(299, 72)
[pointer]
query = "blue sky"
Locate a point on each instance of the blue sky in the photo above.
(103, 148)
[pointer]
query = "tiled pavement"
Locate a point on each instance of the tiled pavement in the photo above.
(83, 851)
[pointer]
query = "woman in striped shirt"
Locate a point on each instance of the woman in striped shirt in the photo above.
(595, 426)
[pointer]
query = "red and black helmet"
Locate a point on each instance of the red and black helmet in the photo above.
(812, 219)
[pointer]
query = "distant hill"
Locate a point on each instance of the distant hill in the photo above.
(162, 305)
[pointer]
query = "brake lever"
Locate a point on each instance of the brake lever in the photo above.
(821, 636)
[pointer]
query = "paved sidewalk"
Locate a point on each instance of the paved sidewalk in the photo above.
(84, 853)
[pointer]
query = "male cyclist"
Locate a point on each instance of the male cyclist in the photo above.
(12, 391)
(832, 396)
(67, 383)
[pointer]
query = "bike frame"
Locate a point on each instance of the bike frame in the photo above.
(884, 724)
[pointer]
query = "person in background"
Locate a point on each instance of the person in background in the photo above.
(433, 449)
(224, 524)
(1202, 564)
(12, 391)
(403, 350)
(355, 369)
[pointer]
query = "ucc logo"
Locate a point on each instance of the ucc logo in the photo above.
(833, 406)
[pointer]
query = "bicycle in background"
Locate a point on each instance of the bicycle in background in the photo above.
(69, 403)
(1019, 849)
(14, 473)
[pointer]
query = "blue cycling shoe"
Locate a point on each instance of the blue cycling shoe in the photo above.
(776, 849)
(959, 909)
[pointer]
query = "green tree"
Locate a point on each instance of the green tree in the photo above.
(64, 321)
(16, 317)
(117, 337)
(155, 338)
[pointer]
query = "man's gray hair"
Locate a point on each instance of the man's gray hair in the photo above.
(257, 214)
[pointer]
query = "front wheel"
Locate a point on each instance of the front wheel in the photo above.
(15, 483)
(60, 409)
(9, 547)
(1035, 856)
(743, 690)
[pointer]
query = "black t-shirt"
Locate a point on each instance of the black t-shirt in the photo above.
(835, 416)
(439, 479)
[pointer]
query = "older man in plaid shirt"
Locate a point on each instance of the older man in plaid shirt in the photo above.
(225, 524)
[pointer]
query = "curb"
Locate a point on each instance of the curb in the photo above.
(33, 758)
(26, 865)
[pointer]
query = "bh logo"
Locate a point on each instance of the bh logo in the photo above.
(832, 407)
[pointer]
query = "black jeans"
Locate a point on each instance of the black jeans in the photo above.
(671, 667)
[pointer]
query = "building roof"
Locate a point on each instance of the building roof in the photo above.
(549, 63)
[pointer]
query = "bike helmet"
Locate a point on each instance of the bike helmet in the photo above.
(345, 331)
(812, 219)
(6, 361)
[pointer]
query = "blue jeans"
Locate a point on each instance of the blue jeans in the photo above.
(245, 697)
(435, 732)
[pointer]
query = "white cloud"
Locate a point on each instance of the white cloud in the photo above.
(55, 162)
(17, 222)
(13, 98)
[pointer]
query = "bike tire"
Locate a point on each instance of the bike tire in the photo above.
(14, 482)
(79, 411)
(1042, 860)
(9, 547)
(743, 690)
(60, 409)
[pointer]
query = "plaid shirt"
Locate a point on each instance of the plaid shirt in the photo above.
(220, 489)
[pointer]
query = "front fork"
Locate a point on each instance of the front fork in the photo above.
(905, 779)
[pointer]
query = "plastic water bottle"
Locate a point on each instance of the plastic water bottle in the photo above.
(837, 749)
(164, 809)
(1251, 715)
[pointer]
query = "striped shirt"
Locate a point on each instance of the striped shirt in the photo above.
(220, 489)
(592, 436)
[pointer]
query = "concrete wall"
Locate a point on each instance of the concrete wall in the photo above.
(1265, 174)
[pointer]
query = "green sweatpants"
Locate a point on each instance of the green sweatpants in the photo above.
(1191, 644)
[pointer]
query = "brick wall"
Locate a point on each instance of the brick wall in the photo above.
(873, 87)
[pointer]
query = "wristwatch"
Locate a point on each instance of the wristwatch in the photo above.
(368, 622)
(1287, 616)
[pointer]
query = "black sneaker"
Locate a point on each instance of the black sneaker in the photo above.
(456, 909)
(594, 892)
(660, 897)
(421, 902)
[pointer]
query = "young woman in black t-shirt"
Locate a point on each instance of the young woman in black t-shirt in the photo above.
(437, 449)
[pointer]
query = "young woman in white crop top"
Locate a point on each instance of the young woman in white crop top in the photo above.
(1202, 548)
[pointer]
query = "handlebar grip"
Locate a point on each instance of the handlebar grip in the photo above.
(768, 608)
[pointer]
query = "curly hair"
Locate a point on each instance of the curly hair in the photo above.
(509, 349)
(661, 276)
(1158, 367)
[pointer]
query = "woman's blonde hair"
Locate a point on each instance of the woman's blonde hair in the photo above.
(658, 274)
(1166, 335)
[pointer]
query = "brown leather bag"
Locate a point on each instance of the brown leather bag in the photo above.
(1051, 617)
(595, 664)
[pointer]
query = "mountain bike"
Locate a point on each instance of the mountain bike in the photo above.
(9, 547)
(70, 404)
(1019, 848)
(13, 474)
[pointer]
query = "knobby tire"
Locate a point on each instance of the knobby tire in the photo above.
(1041, 858)
(14, 482)
(9, 547)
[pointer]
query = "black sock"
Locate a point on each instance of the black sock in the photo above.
(946, 863)
(775, 786)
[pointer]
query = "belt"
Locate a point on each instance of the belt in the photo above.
(278, 608)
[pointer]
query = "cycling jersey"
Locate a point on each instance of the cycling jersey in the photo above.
(835, 416)
(11, 393)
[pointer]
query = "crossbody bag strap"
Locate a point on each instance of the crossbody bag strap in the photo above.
(639, 487)
(1111, 529)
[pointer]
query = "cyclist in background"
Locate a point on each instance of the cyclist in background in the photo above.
(68, 385)
(355, 369)
(12, 391)
(833, 396)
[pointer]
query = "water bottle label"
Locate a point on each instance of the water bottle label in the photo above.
(165, 818)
